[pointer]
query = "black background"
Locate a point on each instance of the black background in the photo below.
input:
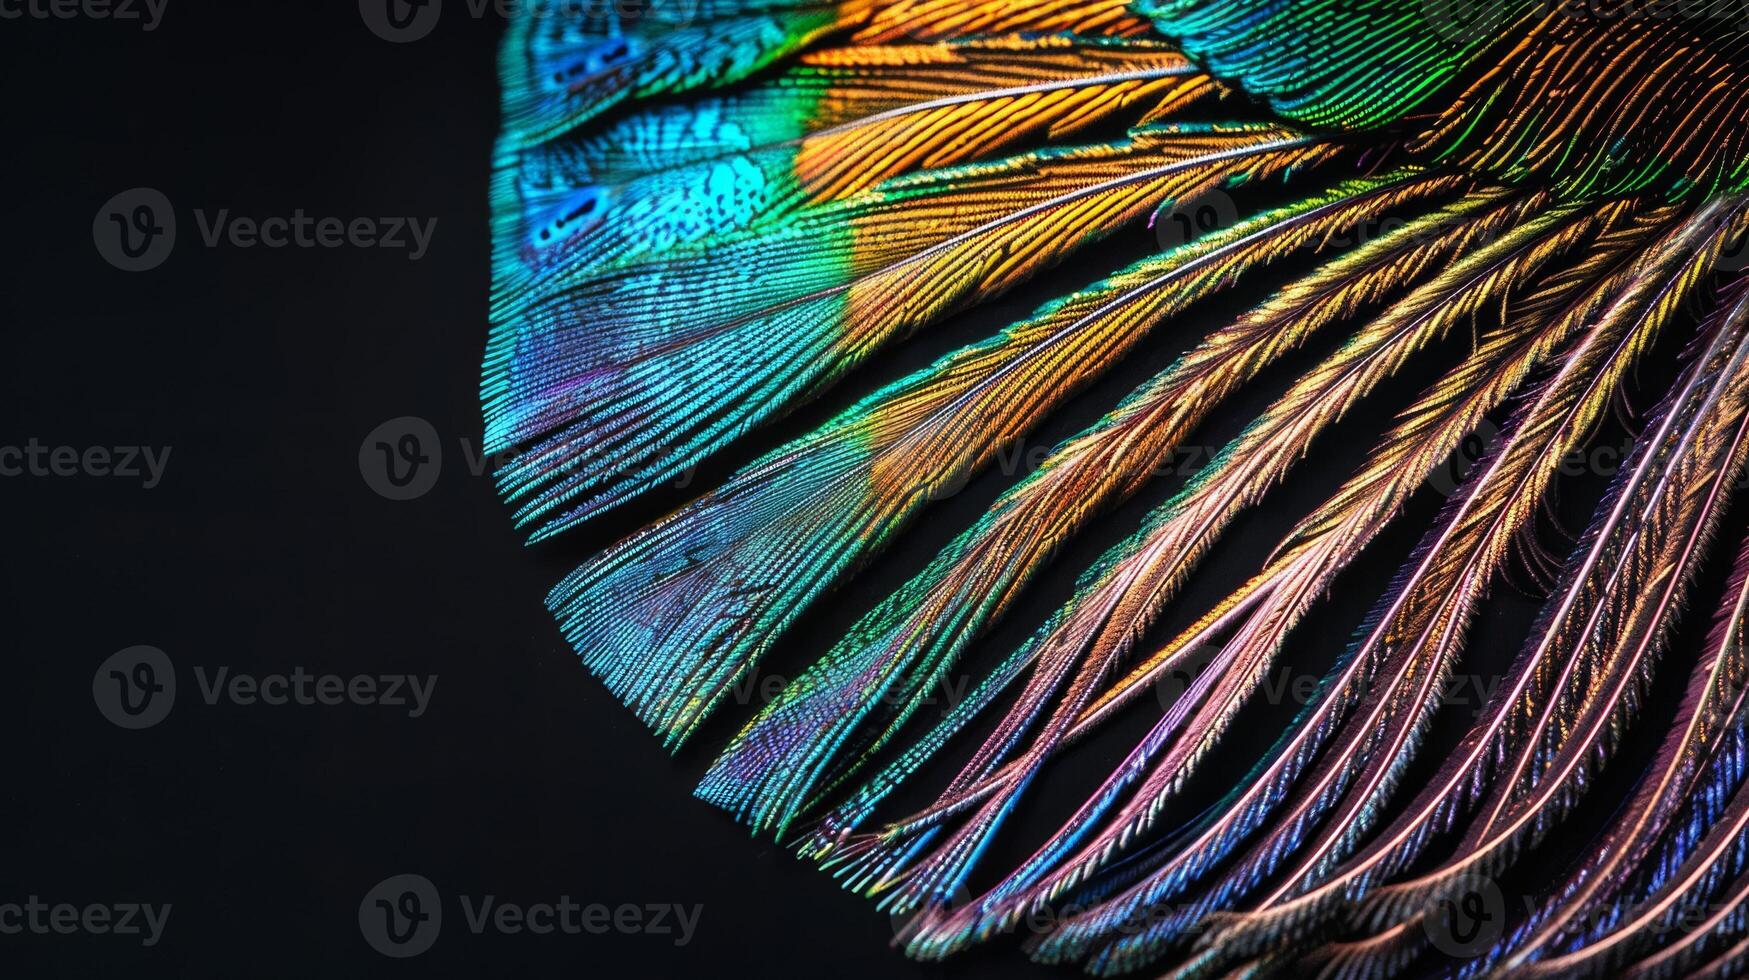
(264, 549)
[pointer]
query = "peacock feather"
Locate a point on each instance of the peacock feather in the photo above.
(1413, 223)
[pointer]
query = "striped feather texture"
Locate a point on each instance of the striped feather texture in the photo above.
(1422, 220)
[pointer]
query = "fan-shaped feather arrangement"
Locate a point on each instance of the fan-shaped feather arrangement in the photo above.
(712, 212)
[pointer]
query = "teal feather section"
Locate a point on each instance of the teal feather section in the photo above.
(559, 71)
(629, 396)
(826, 502)
(903, 648)
(1339, 63)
